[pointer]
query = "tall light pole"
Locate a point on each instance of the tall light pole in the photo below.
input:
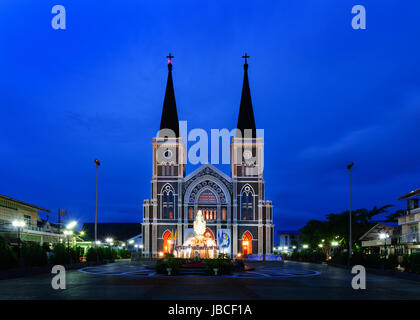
(19, 224)
(349, 166)
(97, 163)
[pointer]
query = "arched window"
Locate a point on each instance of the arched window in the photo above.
(247, 204)
(167, 242)
(246, 244)
(168, 203)
(207, 197)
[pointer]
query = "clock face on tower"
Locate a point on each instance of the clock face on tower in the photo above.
(247, 154)
(167, 154)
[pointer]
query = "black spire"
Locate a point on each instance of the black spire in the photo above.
(246, 119)
(169, 118)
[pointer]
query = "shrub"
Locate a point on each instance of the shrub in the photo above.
(60, 255)
(308, 256)
(169, 262)
(7, 256)
(340, 257)
(225, 266)
(413, 264)
(391, 262)
(109, 253)
(34, 255)
(123, 254)
(75, 254)
(95, 254)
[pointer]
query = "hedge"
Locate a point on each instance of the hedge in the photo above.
(8, 258)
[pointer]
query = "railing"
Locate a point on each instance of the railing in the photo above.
(412, 237)
(27, 229)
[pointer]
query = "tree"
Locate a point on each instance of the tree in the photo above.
(336, 227)
(393, 217)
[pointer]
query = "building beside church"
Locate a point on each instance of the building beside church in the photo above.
(237, 215)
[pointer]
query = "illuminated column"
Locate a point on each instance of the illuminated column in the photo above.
(235, 240)
(268, 239)
(154, 240)
(260, 239)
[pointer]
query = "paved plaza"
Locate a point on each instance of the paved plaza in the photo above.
(268, 280)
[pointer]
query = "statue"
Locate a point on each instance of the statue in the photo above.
(199, 224)
(201, 245)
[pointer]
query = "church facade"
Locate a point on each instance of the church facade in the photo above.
(237, 215)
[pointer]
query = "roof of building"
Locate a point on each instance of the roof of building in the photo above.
(246, 118)
(120, 231)
(410, 194)
(23, 203)
(381, 227)
(287, 232)
(169, 118)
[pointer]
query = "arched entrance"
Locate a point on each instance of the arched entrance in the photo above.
(208, 234)
(167, 242)
(246, 244)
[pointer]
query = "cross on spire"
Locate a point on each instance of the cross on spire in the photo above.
(170, 58)
(245, 57)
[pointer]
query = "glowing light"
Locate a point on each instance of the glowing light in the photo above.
(18, 223)
(109, 240)
(131, 241)
(383, 235)
(68, 232)
(82, 233)
(320, 245)
(160, 254)
(305, 246)
(239, 255)
(334, 243)
(98, 242)
(141, 246)
(71, 225)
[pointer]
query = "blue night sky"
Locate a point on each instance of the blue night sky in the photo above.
(325, 95)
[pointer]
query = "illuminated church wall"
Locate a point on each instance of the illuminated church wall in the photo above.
(234, 206)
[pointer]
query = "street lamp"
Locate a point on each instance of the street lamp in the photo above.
(97, 163)
(18, 224)
(109, 241)
(384, 236)
(71, 225)
(305, 246)
(68, 233)
(349, 166)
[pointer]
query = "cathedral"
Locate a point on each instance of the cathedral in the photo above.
(237, 216)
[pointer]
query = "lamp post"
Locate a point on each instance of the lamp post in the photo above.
(349, 166)
(384, 236)
(69, 232)
(19, 224)
(97, 163)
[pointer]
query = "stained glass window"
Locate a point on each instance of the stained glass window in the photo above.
(207, 197)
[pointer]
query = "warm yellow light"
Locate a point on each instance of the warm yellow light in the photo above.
(305, 246)
(160, 254)
(239, 254)
(82, 233)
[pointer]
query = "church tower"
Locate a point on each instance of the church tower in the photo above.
(163, 212)
(252, 215)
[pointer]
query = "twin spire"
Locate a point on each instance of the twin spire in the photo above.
(246, 120)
